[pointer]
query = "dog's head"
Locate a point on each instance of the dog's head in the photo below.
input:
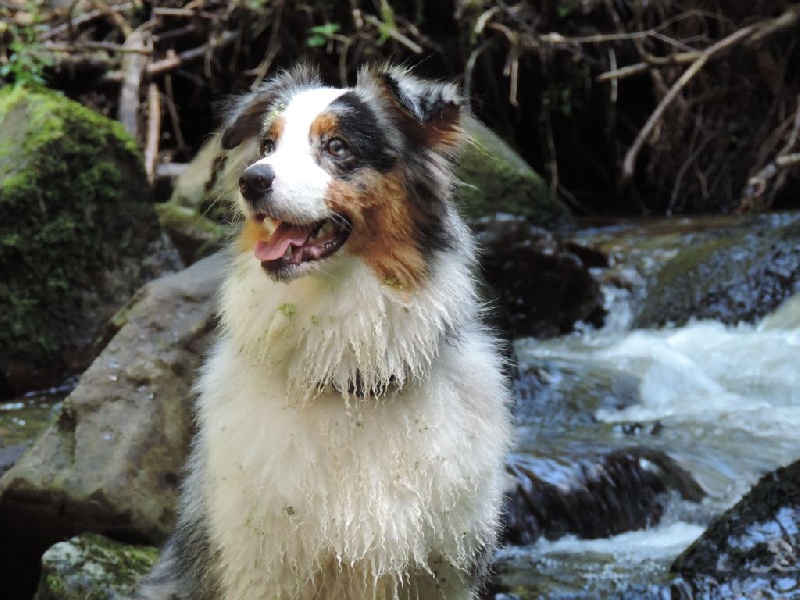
(358, 172)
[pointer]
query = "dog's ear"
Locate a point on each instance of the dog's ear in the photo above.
(247, 115)
(429, 111)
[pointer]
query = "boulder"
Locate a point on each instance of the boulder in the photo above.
(753, 549)
(543, 287)
(112, 462)
(593, 495)
(78, 233)
(92, 567)
(495, 179)
(734, 277)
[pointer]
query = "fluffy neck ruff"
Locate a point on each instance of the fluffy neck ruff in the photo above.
(344, 329)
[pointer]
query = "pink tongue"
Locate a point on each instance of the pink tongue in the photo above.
(284, 235)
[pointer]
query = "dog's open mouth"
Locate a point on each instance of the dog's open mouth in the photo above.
(291, 244)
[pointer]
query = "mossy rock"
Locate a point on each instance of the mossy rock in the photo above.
(495, 179)
(735, 277)
(92, 567)
(78, 233)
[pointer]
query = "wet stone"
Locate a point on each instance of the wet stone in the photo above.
(543, 288)
(752, 547)
(591, 496)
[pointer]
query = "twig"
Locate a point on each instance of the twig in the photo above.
(511, 71)
(133, 68)
(721, 46)
(187, 12)
(114, 14)
(558, 39)
(754, 196)
(679, 58)
(153, 131)
(173, 112)
(273, 46)
(623, 72)
(75, 48)
(784, 22)
(173, 62)
(469, 70)
(788, 160)
(80, 20)
(673, 202)
(393, 33)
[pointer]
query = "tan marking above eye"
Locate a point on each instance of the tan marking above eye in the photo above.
(273, 133)
(325, 126)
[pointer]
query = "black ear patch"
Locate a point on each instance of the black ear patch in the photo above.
(247, 118)
(430, 112)
(248, 113)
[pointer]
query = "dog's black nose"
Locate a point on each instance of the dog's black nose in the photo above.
(256, 180)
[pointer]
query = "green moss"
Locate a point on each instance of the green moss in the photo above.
(73, 196)
(288, 309)
(736, 277)
(194, 235)
(496, 179)
(92, 567)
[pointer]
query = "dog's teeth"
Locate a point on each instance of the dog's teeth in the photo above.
(326, 228)
(288, 253)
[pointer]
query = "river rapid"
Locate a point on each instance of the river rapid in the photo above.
(723, 401)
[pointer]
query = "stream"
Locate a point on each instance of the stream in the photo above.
(723, 401)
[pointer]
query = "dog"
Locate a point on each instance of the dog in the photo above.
(353, 415)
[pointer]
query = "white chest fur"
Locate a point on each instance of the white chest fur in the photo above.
(318, 496)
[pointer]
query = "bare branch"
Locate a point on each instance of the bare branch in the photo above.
(714, 50)
(153, 131)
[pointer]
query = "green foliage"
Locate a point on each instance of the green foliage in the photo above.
(27, 59)
(321, 34)
(565, 7)
(389, 21)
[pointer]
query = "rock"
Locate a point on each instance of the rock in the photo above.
(557, 396)
(495, 179)
(112, 462)
(194, 235)
(92, 567)
(732, 278)
(786, 317)
(543, 287)
(9, 455)
(591, 496)
(752, 548)
(78, 234)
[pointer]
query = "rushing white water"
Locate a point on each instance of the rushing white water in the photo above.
(726, 401)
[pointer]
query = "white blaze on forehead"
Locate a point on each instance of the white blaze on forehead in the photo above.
(299, 188)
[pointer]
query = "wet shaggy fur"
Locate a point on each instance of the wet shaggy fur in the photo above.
(352, 415)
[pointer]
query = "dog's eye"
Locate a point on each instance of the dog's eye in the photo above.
(267, 146)
(336, 147)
